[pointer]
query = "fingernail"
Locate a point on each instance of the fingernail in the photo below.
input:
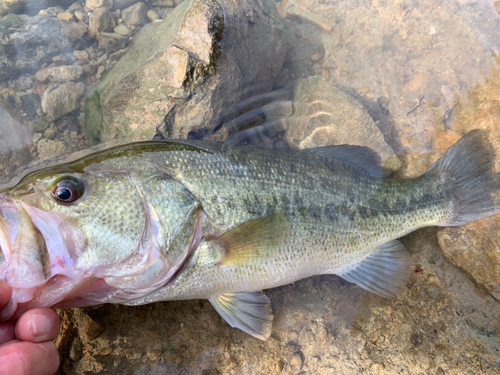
(40, 325)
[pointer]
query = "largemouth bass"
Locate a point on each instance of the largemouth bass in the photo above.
(171, 220)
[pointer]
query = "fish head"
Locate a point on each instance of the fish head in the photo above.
(110, 231)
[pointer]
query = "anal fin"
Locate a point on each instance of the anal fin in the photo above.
(384, 272)
(249, 311)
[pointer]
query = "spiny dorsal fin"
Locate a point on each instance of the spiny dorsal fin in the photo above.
(256, 238)
(249, 311)
(385, 272)
(364, 158)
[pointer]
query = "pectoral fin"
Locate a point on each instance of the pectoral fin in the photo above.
(257, 238)
(251, 312)
(385, 272)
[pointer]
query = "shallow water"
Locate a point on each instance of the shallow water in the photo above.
(425, 72)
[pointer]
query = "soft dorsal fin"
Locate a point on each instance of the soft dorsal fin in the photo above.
(250, 311)
(384, 272)
(363, 158)
(256, 238)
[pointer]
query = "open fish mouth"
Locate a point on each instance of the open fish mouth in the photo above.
(39, 260)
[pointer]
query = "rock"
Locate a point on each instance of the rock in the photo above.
(177, 64)
(81, 55)
(475, 248)
(121, 29)
(58, 74)
(327, 116)
(60, 100)
(122, 4)
(65, 16)
(135, 15)
(47, 148)
(14, 137)
(27, 42)
(152, 15)
(31, 103)
(95, 4)
(74, 30)
(111, 42)
(29, 7)
(39, 125)
(100, 20)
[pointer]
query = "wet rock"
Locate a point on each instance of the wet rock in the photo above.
(111, 41)
(74, 30)
(121, 29)
(81, 55)
(31, 103)
(135, 15)
(95, 4)
(39, 125)
(152, 15)
(27, 42)
(177, 63)
(58, 74)
(47, 148)
(100, 20)
(327, 116)
(475, 249)
(65, 16)
(60, 100)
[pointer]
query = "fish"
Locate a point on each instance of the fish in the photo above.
(177, 220)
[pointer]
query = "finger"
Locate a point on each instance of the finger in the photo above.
(38, 325)
(7, 332)
(5, 294)
(27, 358)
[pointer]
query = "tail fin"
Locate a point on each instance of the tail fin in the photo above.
(466, 171)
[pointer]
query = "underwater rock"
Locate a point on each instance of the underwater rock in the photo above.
(58, 101)
(58, 74)
(324, 115)
(475, 249)
(27, 42)
(100, 20)
(135, 15)
(48, 148)
(175, 70)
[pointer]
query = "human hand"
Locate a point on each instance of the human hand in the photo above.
(25, 346)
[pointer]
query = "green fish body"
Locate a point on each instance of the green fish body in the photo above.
(170, 220)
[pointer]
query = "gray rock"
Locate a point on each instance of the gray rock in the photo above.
(74, 30)
(111, 42)
(60, 100)
(175, 70)
(28, 42)
(95, 4)
(39, 126)
(58, 74)
(100, 20)
(31, 103)
(122, 4)
(135, 15)
(325, 115)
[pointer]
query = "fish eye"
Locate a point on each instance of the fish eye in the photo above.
(67, 191)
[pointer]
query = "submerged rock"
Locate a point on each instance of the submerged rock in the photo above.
(174, 77)
(27, 42)
(325, 115)
(475, 248)
(60, 100)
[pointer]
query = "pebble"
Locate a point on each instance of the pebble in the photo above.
(65, 16)
(152, 15)
(81, 55)
(50, 148)
(58, 101)
(135, 15)
(95, 4)
(121, 29)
